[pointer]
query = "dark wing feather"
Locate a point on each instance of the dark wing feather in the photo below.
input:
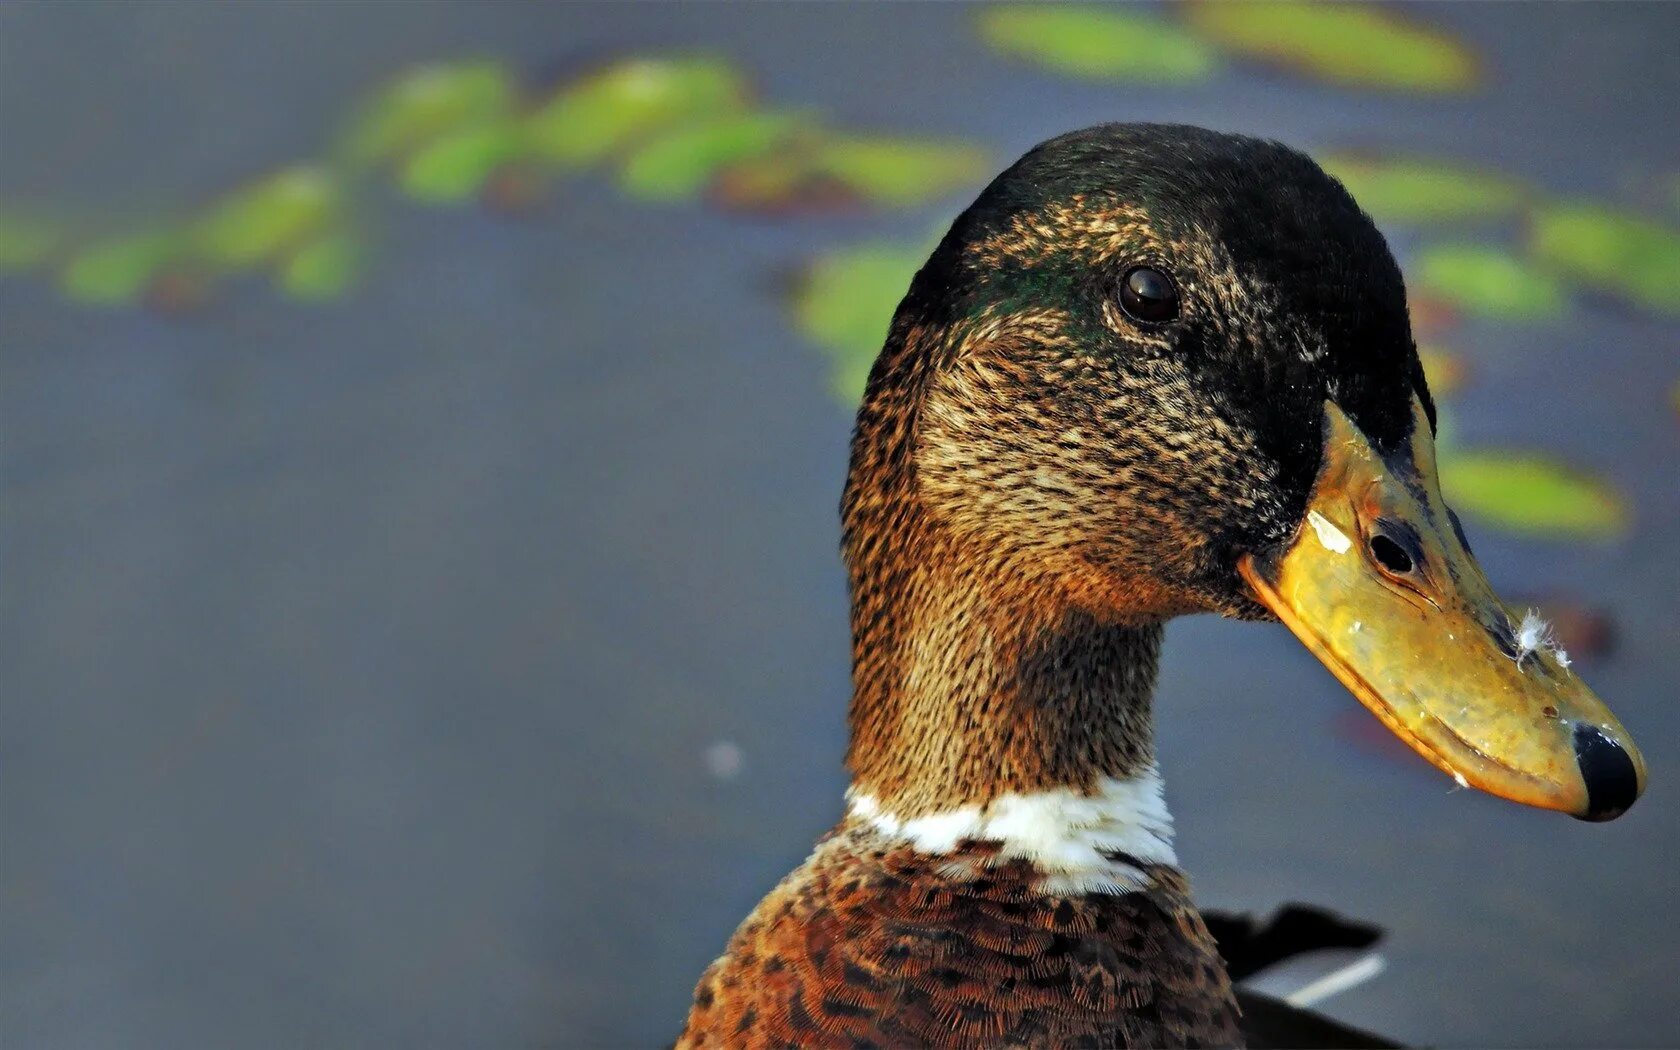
(1295, 929)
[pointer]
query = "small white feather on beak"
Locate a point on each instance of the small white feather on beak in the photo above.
(1534, 635)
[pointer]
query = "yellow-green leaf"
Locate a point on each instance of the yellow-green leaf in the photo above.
(1487, 281)
(777, 181)
(1097, 42)
(452, 167)
(1529, 493)
(1611, 251)
(427, 102)
(262, 220)
(899, 171)
(1363, 45)
(1418, 191)
(117, 271)
(845, 303)
(322, 269)
(603, 114)
(680, 162)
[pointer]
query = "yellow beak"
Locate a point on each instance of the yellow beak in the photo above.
(1379, 585)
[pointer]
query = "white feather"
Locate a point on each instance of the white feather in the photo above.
(1072, 838)
(1534, 635)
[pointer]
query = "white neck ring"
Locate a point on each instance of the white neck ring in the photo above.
(1082, 843)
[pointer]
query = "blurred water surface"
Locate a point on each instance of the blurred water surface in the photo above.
(366, 665)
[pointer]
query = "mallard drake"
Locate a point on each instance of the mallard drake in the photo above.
(1152, 370)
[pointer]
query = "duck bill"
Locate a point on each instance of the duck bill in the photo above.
(1380, 585)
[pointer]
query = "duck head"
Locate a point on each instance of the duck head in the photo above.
(1156, 370)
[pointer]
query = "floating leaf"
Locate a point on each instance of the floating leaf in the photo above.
(780, 182)
(177, 291)
(897, 171)
(452, 167)
(845, 170)
(425, 103)
(116, 271)
(1529, 493)
(513, 189)
(1358, 44)
(845, 304)
(322, 269)
(1611, 251)
(1488, 282)
(1097, 42)
(680, 162)
(262, 220)
(603, 114)
(1445, 372)
(1417, 191)
(24, 241)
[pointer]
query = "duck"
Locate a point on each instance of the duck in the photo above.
(1153, 370)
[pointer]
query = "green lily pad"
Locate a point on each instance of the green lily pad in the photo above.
(1363, 45)
(1098, 42)
(680, 162)
(24, 242)
(323, 269)
(822, 171)
(1488, 282)
(603, 114)
(899, 171)
(779, 182)
(427, 102)
(1529, 493)
(1417, 191)
(117, 271)
(264, 219)
(1611, 251)
(845, 304)
(453, 167)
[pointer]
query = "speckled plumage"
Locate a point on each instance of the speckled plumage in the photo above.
(873, 944)
(1037, 483)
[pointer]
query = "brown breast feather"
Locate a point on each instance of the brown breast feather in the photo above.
(873, 944)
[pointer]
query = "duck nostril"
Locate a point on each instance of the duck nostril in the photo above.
(1390, 555)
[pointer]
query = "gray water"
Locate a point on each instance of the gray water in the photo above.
(360, 661)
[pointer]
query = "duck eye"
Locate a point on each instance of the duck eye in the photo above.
(1148, 296)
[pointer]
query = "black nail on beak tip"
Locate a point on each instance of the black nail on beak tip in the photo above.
(1612, 782)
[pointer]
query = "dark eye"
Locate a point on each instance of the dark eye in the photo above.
(1148, 295)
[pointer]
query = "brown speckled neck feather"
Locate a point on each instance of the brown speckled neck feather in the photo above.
(978, 669)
